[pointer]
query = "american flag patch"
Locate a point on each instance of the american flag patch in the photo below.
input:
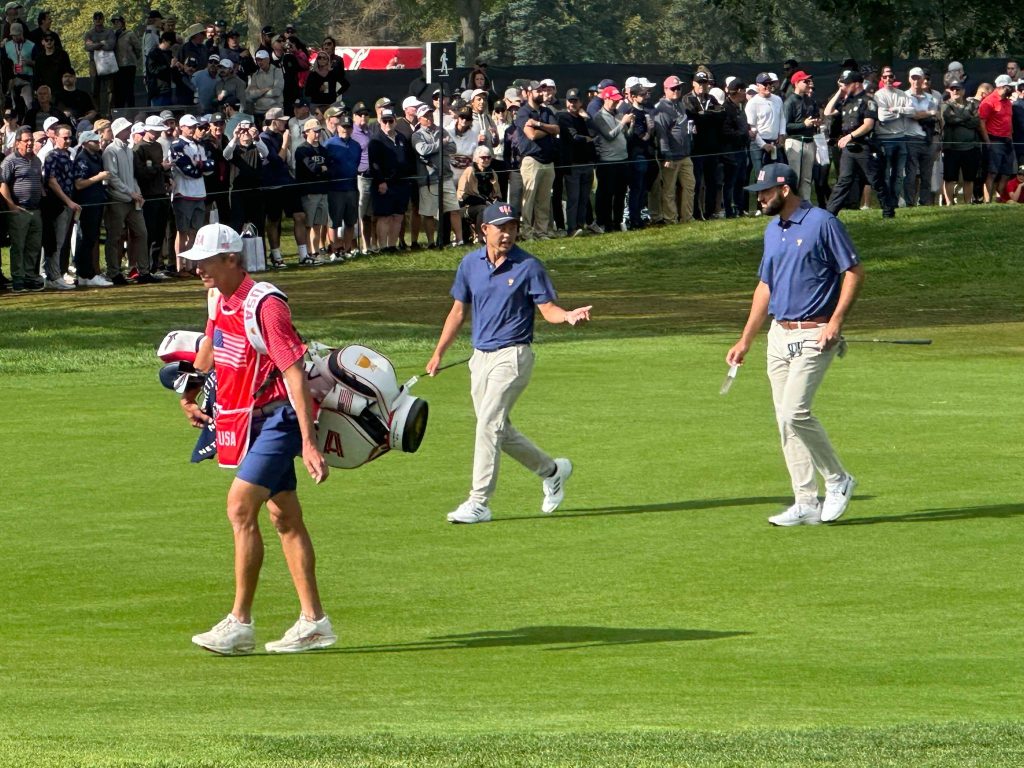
(228, 349)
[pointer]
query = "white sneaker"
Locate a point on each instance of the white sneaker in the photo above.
(95, 282)
(470, 512)
(798, 514)
(311, 261)
(228, 638)
(837, 499)
(305, 635)
(554, 486)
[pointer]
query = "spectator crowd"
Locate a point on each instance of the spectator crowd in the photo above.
(251, 138)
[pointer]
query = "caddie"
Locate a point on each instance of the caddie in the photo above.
(264, 419)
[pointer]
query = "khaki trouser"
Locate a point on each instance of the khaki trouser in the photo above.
(117, 217)
(677, 181)
(800, 155)
(497, 379)
(538, 181)
(796, 368)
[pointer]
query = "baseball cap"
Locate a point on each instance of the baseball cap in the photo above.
(953, 65)
(227, 64)
(138, 128)
(774, 77)
(245, 124)
(500, 213)
(311, 125)
(154, 123)
(154, 14)
(423, 110)
(611, 92)
(188, 121)
(383, 101)
(511, 94)
(333, 111)
(166, 115)
(605, 83)
(267, 30)
(572, 94)
(763, 78)
(799, 77)
(217, 117)
(672, 82)
(101, 125)
(85, 136)
(360, 109)
(751, 88)
(637, 90)
(302, 101)
(213, 59)
(387, 113)
(212, 240)
(274, 113)
(410, 101)
(774, 175)
(851, 76)
(50, 122)
(701, 77)
(956, 84)
(1003, 80)
(547, 82)
(345, 121)
(477, 92)
(262, 53)
(915, 72)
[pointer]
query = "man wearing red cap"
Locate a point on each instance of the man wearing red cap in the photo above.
(802, 120)
(672, 131)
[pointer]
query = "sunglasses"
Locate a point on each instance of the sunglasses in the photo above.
(387, 120)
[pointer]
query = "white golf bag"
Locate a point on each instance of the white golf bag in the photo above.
(363, 413)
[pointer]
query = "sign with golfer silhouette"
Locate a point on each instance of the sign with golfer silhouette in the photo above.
(440, 61)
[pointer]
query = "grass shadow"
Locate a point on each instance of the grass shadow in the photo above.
(555, 637)
(667, 506)
(993, 511)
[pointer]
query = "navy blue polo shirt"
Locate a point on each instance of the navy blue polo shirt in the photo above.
(804, 260)
(503, 300)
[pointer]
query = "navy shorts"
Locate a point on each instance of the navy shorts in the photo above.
(276, 441)
(1000, 157)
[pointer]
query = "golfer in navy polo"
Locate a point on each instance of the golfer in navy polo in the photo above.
(504, 286)
(809, 278)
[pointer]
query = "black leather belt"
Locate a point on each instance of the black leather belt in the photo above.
(269, 409)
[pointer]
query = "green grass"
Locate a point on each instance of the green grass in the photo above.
(655, 620)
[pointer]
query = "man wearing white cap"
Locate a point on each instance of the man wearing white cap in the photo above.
(266, 85)
(996, 127)
(189, 163)
(250, 338)
(151, 173)
(921, 125)
(124, 208)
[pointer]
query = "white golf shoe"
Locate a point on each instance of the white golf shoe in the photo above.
(554, 486)
(837, 499)
(305, 635)
(470, 512)
(230, 637)
(798, 514)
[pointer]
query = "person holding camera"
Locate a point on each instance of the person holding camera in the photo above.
(246, 152)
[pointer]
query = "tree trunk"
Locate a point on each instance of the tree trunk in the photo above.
(469, 20)
(258, 14)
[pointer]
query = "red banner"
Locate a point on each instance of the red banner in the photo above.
(381, 57)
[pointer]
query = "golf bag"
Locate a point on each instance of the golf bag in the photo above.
(363, 412)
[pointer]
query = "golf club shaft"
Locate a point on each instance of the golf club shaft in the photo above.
(451, 365)
(917, 342)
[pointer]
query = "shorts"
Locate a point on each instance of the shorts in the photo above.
(344, 208)
(957, 161)
(365, 183)
(315, 208)
(428, 199)
(276, 441)
(393, 202)
(189, 215)
(278, 202)
(1000, 157)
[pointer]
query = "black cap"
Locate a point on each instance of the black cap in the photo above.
(360, 109)
(220, 23)
(155, 14)
(763, 79)
(289, 28)
(702, 77)
(851, 76)
(216, 117)
(572, 93)
(774, 175)
(267, 30)
(302, 101)
(956, 84)
(232, 33)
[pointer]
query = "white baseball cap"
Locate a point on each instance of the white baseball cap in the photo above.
(138, 128)
(262, 53)
(410, 101)
(547, 82)
(188, 121)
(916, 72)
(50, 122)
(212, 240)
(1003, 80)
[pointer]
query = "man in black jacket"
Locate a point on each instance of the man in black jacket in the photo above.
(802, 119)
(707, 116)
(578, 158)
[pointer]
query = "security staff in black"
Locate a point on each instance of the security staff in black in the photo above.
(861, 159)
